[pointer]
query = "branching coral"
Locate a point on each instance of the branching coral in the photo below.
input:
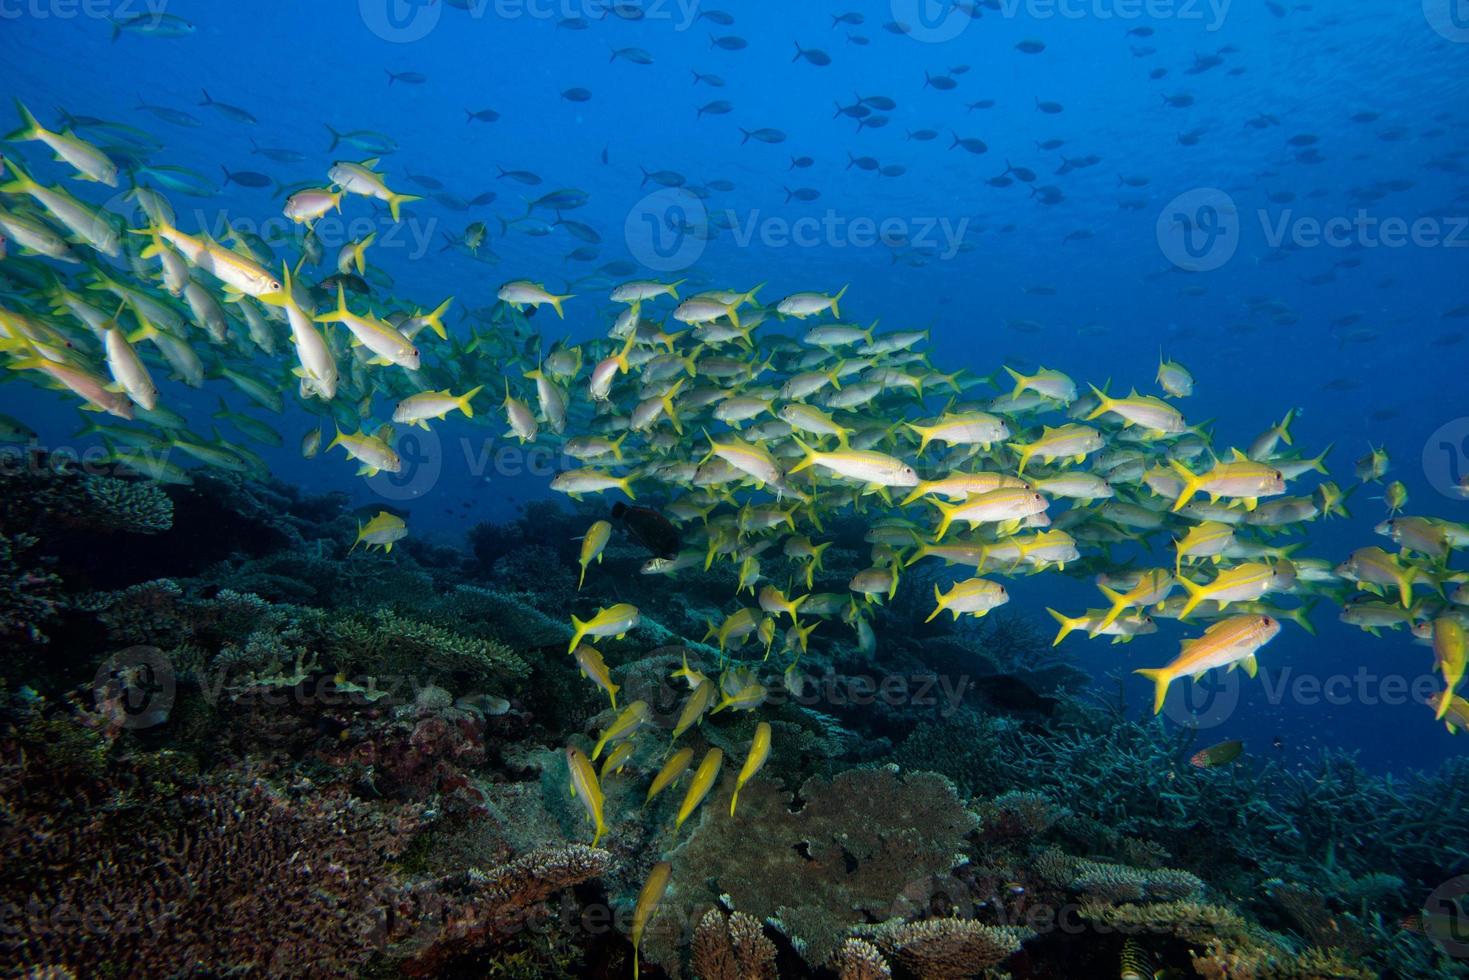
(858, 959)
(732, 947)
(387, 643)
(944, 949)
(29, 595)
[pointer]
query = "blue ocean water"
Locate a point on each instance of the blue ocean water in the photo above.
(1221, 137)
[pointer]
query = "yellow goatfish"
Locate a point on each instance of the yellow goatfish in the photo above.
(592, 544)
(383, 530)
(1448, 655)
(759, 752)
(1228, 643)
(584, 785)
(624, 726)
(612, 621)
(703, 782)
(589, 659)
(677, 764)
(648, 899)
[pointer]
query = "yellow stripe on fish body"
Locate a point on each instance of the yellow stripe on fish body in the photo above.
(758, 754)
(703, 782)
(613, 621)
(584, 786)
(418, 409)
(672, 770)
(648, 898)
(1227, 643)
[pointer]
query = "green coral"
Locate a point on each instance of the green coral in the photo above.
(386, 643)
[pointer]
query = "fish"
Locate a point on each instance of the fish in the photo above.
(699, 787)
(647, 903)
(755, 760)
(1229, 643)
(1221, 754)
(383, 531)
(624, 726)
(585, 787)
(592, 544)
(614, 621)
(589, 661)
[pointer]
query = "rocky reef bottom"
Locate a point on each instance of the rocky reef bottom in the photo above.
(229, 745)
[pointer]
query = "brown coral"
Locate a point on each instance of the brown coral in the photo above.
(858, 959)
(480, 909)
(841, 856)
(732, 947)
(945, 949)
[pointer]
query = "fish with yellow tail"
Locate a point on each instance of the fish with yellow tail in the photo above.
(1152, 586)
(1153, 415)
(624, 726)
(360, 179)
(372, 452)
(589, 661)
(1242, 583)
(1240, 478)
(418, 409)
(89, 162)
(696, 706)
(1375, 570)
(614, 621)
(1121, 629)
(592, 545)
(609, 367)
(1448, 656)
(648, 898)
(1227, 644)
(703, 782)
(1073, 442)
(1451, 709)
(759, 752)
(584, 786)
(382, 531)
(521, 293)
(873, 468)
(975, 596)
(672, 771)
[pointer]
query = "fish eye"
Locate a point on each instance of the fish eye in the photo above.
(1279, 475)
(1268, 621)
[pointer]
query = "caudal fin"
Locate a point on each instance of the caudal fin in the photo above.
(578, 630)
(1067, 625)
(1191, 484)
(1161, 679)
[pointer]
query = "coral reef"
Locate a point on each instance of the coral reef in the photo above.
(847, 850)
(731, 946)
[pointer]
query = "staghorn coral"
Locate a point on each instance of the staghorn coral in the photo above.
(845, 852)
(944, 949)
(732, 947)
(1194, 922)
(52, 494)
(509, 614)
(29, 595)
(387, 643)
(1118, 883)
(858, 959)
(479, 909)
